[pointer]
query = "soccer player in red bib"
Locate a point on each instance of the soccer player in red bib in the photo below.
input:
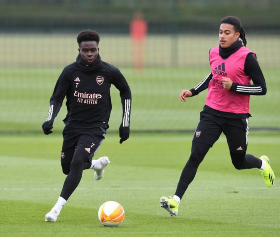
(233, 66)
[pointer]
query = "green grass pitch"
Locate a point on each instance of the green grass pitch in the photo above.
(221, 201)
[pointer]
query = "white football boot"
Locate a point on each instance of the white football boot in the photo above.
(52, 216)
(98, 169)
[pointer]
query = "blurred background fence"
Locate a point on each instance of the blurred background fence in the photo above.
(38, 39)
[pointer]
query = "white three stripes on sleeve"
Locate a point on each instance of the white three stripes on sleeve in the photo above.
(201, 83)
(50, 113)
(127, 103)
(247, 89)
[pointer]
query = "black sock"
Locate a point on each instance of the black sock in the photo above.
(245, 161)
(252, 161)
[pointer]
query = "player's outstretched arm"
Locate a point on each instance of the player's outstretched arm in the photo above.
(203, 85)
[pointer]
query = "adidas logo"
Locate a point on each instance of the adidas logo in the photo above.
(239, 149)
(220, 70)
(87, 149)
(77, 79)
(271, 178)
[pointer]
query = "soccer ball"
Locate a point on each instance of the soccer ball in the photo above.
(111, 213)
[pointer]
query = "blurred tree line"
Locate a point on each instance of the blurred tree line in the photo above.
(113, 16)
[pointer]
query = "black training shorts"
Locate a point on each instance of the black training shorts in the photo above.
(211, 126)
(74, 139)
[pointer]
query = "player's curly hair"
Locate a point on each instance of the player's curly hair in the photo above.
(88, 35)
(232, 20)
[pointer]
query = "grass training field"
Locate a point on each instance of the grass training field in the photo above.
(221, 201)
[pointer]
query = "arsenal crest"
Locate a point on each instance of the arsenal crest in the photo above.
(197, 133)
(99, 80)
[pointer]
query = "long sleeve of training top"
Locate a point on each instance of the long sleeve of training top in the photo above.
(252, 69)
(121, 84)
(202, 85)
(58, 95)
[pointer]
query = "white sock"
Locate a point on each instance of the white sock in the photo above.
(263, 164)
(93, 164)
(59, 204)
(177, 199)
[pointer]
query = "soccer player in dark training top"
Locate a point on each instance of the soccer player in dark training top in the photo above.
(233, 66)
(86, 85)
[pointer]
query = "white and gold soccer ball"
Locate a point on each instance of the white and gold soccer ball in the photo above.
(111, 213)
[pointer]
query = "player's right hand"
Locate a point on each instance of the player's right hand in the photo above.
(184, 94)
(47, 127)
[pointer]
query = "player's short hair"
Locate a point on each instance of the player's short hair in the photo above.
(88, 35)
(232, 20)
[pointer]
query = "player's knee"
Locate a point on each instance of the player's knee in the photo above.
(238, 165)
(237, 160)
(65, 160)
(77, 164)
(198, 152)
(79, 160)
(196, 156)
(65, 168)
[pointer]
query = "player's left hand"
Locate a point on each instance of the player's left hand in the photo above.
(227, 82)
(47, 127)
(124, 133)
